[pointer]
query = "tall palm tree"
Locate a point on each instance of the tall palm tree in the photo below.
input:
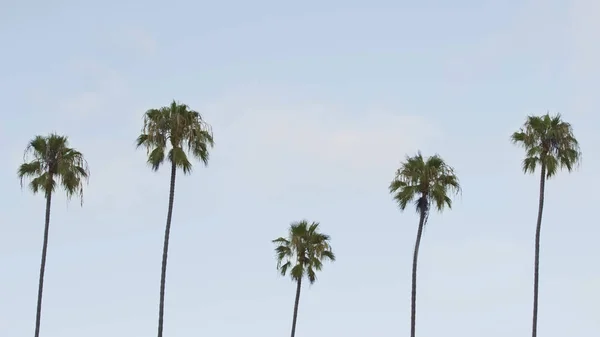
(427, 183)
(174, 129)
(50, 162)
(548, 142)
(301, 254)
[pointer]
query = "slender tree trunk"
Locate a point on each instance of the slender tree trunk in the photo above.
(38, 315)
(536, 272)
(163, 275)
(298, 288)
(413, 307)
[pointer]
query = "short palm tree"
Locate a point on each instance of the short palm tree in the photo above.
(169, 132)
(550, 144)
(50, 163)
(426, 183)
(301, 254)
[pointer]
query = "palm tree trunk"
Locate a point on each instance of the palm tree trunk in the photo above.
(536, 272)
(413, 308)
(298, 288)
(38, 315)
(163, 275)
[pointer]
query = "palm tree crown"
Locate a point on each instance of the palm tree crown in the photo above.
(303, 251)
(424, 182)
(50, 162)
(549, 142)
(178, 128)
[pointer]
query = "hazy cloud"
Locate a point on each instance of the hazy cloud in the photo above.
(136, 40)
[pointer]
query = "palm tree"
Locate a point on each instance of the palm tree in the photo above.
(548, 142)
(50, 162)
(176, 129)
(302, 254)
(426, 183)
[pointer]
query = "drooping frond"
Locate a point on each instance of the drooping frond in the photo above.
(49, 161)
(172, 130)
(550, 141)
(425, 183)
(303, 251)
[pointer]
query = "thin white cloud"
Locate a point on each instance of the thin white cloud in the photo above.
(101, 86)
(323, 133)
(135, 39)
(584, 22)
(585, 55)
(300, 143)
(333, 135)
(531, 30)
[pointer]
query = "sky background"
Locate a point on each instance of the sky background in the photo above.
(314, 104)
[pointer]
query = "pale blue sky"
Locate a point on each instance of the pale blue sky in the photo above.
(314, 104)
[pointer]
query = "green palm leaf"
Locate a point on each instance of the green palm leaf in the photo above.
(172, 132)
(550, 141)
(303, 251)
(50, 162)
(424, 183)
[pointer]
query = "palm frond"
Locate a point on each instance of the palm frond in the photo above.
(424, 182)
(297, 271)
(49, 161)
(283, 268)
(311, 274)
(178, 156)
(172, 130)
(303, 251)
(548, 141)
